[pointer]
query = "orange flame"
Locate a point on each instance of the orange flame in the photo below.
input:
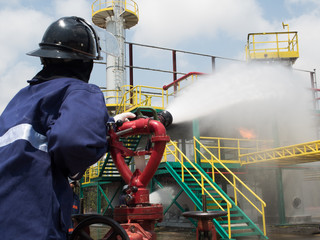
(246, 133)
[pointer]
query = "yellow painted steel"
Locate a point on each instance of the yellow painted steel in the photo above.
(236, 181)
(141, 96)
(273, 45)
(130, 97)
(228, 150)
(294, 154)
(173, 150)
(101, 9)
(93, 171)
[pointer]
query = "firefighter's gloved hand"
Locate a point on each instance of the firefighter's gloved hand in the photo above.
(124, 117)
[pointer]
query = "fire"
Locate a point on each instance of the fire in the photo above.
(247, 133)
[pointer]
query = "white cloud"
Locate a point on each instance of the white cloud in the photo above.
(308, 35)
(21, 31)
(22, 25)
(164, 22)
(80, 8)
(13, 80)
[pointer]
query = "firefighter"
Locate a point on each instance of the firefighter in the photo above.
(52, 129)
(75, 205)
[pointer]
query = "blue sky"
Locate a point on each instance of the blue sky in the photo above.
(206, 26)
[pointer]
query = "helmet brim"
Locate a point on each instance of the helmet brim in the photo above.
(56, 53)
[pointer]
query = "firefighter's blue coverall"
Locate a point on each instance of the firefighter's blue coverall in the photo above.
(49, 131)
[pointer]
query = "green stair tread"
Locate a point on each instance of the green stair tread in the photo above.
(244, 234)
(234, 221)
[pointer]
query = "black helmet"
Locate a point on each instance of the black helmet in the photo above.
(69, 38)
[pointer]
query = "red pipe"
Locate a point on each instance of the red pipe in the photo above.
(165, 87)
(119, 152)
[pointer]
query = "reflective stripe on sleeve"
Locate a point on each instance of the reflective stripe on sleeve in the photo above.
(26, 132)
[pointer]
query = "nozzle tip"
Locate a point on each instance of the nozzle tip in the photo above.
(165, 118)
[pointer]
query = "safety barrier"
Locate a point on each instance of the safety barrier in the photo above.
(272, 45)
(92, 172)
(294, 154)
(141, 96)
(128, 5)
(235, 180)
(130, 97)
(228, 150)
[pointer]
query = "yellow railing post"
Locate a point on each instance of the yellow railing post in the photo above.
(182, 169)
(263, 220)
(235, 191)
(229, 221)
(277, 39)
(176, 152)
(219, 150)
(212, 167)
(202, 185)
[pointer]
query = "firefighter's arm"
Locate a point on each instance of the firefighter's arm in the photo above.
(77, 139)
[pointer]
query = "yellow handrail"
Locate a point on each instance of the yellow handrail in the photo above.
(235, 179)
(129, 97)
(302, 151)
(235, 147)
(176, 152)
(283, 45)
(129, 5)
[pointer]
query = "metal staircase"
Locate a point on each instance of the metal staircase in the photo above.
(105, 168)
(195, 182)
(108, 168)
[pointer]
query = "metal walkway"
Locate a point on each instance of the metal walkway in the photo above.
(289, 155)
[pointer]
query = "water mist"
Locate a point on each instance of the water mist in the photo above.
(251, 95)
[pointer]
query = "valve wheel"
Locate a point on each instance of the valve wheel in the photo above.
(99, 227)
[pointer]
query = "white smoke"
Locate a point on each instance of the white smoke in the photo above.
(251, 95)
(163, 196)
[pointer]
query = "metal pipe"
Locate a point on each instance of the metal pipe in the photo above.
(174, 65)
(204, 203)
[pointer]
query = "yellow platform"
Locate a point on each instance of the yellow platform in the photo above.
(104, 9)
(276, 46)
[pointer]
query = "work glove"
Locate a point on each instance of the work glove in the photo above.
(124, 117)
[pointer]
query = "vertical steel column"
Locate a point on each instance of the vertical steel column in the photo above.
(196, 134)
(131, 63)
(315, 96)
(81, 199)
(174, 65)
(313, 87)
(278, 173)
(281, 205)
(213, 63)
(98, 198)
(131, 70)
